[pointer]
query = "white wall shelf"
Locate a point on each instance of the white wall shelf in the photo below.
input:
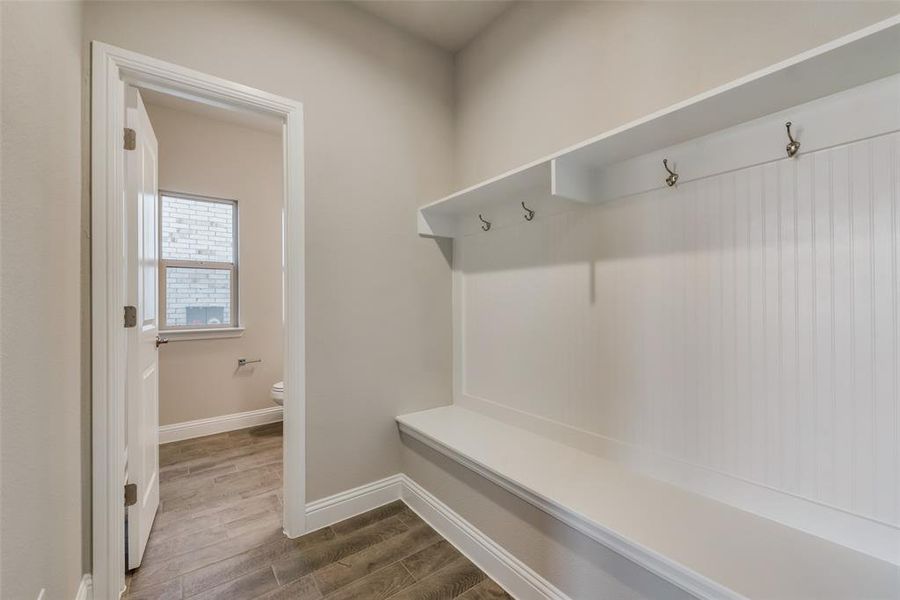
(745, 116)
(706, 547)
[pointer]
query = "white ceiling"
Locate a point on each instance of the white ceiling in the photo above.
(247, 119)
(449, 24)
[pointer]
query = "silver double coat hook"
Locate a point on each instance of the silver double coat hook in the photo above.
(793, 146)
(672, 179)
(529, 214)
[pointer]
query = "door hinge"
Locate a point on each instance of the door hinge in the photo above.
(130, 494)
(130, 316)
(130, 139)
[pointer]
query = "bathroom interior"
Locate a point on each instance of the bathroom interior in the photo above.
(224, 351)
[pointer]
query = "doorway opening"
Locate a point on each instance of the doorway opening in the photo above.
(167, 272)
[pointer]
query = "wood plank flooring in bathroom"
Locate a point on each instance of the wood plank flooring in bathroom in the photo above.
(218, 535)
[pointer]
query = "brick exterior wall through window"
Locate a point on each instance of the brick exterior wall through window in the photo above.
(201, 231)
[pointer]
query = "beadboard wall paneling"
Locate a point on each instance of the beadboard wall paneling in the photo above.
(745, 323)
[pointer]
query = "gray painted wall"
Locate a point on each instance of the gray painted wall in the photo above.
(378, 137)
(41, 423)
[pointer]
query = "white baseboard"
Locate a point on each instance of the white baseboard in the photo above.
(517, 578)
(512, 574)
(85, 588)
(350, 503)
(201, 427)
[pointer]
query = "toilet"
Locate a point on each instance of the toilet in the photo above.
(278, 393)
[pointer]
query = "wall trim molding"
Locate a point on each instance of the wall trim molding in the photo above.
(349, 503)
(513, 575)
(520, 580)
(201, 427)
(85, 588)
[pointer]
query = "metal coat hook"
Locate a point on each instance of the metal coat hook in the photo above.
(672, 179)
(485, 225)
(794, 146)
(529, 214)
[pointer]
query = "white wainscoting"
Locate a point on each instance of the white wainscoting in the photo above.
(501, 566)
(202, 427)
(745, 324)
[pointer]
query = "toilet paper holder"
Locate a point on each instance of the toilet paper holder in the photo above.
(243, 362)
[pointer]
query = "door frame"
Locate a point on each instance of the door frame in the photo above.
(111, 69)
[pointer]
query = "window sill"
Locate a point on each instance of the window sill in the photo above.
(184, 335)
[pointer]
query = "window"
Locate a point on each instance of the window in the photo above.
(198, 262)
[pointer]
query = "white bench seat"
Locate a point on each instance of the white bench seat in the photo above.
(709, 548)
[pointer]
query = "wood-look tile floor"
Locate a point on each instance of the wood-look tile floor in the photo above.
(218, 535)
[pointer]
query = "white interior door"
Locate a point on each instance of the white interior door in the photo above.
(142, 389)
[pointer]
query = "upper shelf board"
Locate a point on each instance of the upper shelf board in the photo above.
(554, 183)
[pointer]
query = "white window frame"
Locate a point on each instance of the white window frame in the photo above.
(188, 332)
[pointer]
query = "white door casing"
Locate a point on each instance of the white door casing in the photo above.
(111, 67)
(142, 378)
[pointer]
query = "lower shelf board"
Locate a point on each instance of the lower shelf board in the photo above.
(706, 547)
